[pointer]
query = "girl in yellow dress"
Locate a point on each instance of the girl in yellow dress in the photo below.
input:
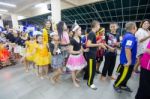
(29, 58)
(42, 57)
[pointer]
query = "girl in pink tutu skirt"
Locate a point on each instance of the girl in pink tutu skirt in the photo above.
(76, 61)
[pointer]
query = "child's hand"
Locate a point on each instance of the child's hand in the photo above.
(86, 50)
(112, 49)
(117, 44)
(103, 46)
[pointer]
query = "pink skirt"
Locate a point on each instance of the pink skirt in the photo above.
(76, 62)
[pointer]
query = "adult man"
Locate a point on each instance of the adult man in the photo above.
(127, 58)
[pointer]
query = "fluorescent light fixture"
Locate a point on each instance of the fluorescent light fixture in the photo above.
(3, 10)
(7, 4)
(40, 5)
(21, 17)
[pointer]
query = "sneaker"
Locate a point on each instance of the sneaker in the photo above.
(93, 87)
(126, 89)
(117, 89)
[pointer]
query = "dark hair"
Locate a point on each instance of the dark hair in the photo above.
(45, 21)
(60, 29)
(37, 36)
(94, 22)
(141, 24)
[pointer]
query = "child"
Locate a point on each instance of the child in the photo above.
(76, 61)
(91, 54)
(100, 38)
(64, 39)
(4, 55)
(41, 57)
(57, 58)
(29, 46)
(112, 40)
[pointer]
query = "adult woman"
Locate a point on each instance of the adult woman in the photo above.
(143, 36)
(144, 86)
(46, 31)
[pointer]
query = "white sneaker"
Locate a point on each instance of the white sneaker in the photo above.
(93, 87)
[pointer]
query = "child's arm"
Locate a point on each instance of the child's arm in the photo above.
(148, 50)
(110, 48)
(55, 49)
(73, 52)
(128, 56)
(84, 50)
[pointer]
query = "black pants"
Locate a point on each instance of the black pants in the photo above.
(144, 86)
(124, 76)
(109, 64)
(90, 70)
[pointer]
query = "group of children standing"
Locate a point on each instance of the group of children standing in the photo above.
(57, 49)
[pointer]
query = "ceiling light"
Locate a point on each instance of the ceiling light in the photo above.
(21, 17)
(40, 5)
(3, 10)
(7, 4)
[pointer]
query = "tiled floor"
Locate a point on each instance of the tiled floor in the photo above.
(16, 84)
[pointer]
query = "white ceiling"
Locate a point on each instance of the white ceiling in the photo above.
(25, 7)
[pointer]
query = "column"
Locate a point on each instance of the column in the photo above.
(14, 21)
(56, 10)
(1, 22)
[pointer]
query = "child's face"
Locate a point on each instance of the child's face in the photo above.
(31, 38)
(103, 32)
(40, 39)
(2, 35)
(97, 26)
(113, 27)
(70, 33)
(65, 26)
(78, 31)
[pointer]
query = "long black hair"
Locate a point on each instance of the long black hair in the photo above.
(60, 29)
(45, 21)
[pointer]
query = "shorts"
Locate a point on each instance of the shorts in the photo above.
(99, 59)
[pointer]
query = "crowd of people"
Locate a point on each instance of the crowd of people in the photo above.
(56, 48)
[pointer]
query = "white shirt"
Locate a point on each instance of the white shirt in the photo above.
(140, 34)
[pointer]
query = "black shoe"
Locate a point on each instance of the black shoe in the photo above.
(126, 89)
(117, 89)
(98, 72)
(84, 78)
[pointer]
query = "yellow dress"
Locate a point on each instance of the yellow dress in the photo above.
(45, 36)
(30, 47)
(42, 56)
